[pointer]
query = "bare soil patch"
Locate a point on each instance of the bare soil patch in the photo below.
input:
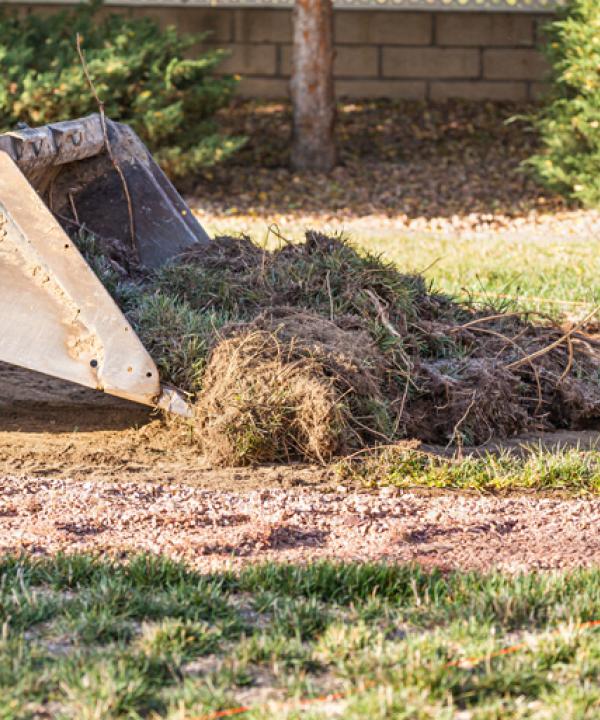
(52, 428)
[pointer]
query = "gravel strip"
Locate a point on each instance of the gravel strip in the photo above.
(212, 530)
(565, 226)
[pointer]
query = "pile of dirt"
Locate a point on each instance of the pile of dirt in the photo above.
(317, 349)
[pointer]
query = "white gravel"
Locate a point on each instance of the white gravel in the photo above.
(213, 529)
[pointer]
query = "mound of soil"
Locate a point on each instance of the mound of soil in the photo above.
(471, 401)
(318, 349)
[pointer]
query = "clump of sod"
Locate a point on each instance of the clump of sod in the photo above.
(291, 384)
(317, 349)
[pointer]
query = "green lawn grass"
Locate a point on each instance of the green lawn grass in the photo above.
(527, 268)
(92, 639)
(575, 471)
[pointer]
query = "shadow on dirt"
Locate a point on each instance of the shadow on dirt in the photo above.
(32, 402)
(407, 158)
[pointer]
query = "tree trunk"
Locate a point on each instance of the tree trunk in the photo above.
(313, 145)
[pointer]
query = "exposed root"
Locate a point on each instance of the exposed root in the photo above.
(316, 349)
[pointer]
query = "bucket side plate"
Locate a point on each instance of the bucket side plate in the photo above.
(55, 315)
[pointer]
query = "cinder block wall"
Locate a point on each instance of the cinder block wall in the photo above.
(379, 53)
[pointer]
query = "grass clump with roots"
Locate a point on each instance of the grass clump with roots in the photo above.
(317, 349)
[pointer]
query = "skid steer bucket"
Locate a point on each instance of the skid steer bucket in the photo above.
(55, 315)
(67, 164)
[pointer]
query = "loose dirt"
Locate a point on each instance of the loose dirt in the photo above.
(80, 471)
(56, 429)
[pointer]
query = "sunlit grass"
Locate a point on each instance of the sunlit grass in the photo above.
(392, 640)
(571, 470)
(553, 269)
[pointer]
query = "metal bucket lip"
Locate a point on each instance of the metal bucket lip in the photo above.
(55, 144)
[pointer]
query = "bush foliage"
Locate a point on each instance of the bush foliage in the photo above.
(143, 74)
(569, 123)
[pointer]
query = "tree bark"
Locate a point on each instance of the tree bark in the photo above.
(313, 144)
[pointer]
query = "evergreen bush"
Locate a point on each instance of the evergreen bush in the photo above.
(144, 74)
(569, 122)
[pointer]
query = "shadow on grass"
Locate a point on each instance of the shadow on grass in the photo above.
(85, 637)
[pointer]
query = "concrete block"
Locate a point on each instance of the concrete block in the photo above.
(478, 90)
(285, 62)
(485, 29)
(374, 27)
(217, 22)
(263, 26)
(350, 61)
(395, 89)
(359, 61)
(50, 9)
(430, 62)
(514, 65)
(248, 59)
(267, 88)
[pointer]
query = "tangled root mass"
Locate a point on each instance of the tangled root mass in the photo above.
(317, 349)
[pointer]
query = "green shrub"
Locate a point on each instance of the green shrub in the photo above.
(143, 74)
(569, 122)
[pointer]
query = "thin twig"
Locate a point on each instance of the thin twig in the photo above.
(107, 144)
(403, 399)
(328, 283)
(513, 340)
(487, 318)
(274, 228)
(460, 422)
(431, 264)
(370, 430)
(73, 208)
(567, 370)
(385, 321)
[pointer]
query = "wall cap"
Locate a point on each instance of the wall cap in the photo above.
(520, 6)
